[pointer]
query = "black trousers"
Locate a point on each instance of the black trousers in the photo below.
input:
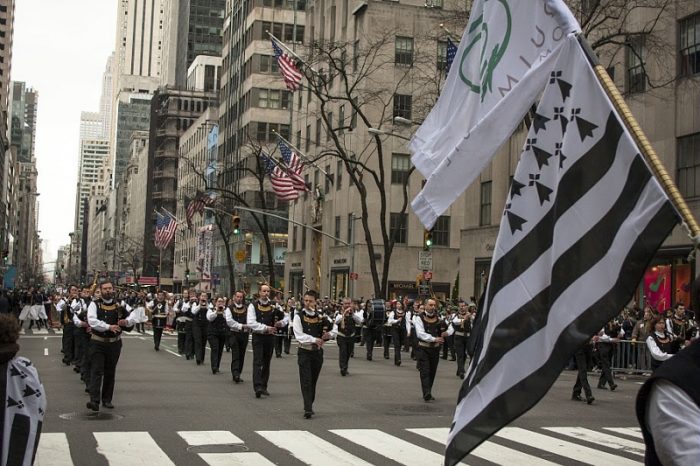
(189, 340)
(428, 359)
(216, 342)
(199, 333)
(582, 379)
(283, 342)
(605, 352)
(398, 337)
(263, 347)
(461, 353)
(386, 340)
(157, 334)
(82, 339)
(180, 326)
(310, 363)
(103, 367)
(374, 334)
(239, 344)
(80, 345)
(346, 346)
(448, 345)
(68, 343)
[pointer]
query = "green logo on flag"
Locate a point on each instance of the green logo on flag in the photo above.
(489, 55)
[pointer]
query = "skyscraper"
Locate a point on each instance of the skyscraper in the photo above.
(7, 16)
(91, 171)
(22, 118)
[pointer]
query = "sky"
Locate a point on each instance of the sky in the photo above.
(60, 49)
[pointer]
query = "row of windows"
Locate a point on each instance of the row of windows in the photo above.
(398, 229)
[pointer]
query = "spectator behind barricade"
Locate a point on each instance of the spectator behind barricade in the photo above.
(23, 398)
(642, 329)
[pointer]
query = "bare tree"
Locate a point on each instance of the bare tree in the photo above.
(129, 253)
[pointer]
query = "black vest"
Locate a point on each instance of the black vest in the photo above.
(400, 317)
(465, 326)
(315, 325)
(433, 326)
(667, 345)
(346, 326)
(683, 370)
(218, 325)
(201, 317)
(85, 303)
(159, 314)
(67, 313)
(110, 314)
(267, 314)
(240, 315)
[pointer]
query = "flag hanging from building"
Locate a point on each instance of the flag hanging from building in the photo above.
(287, 65)
(166, 225)
(450, 54)
(583, 219)
(197, 205)
(499, 69)
(294, 166)
(282, 184)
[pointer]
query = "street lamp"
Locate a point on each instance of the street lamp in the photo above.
(379, 132)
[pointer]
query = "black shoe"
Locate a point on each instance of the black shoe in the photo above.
(428, 397)
(188, 357)
(236, 379)
(613, 387)
(443, 357)
(265, 392)
(386, 356)
(215, 371)
(65, 362)
(576, 397)
(278, 355)
(397, 363)
(343, 373)
(258, 394)
(76, 370)
(590, 400)
(199, 363)
(156, 348)
(453, 359)
(287, 352)
(461, 376)
(87, 390)
(93, 406)
(369, 358)
(601, 386)
(107, 405)
(308, 414)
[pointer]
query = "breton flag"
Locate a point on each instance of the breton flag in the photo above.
(282, 184)
(499, 69)
(287, 65)
(166, 225)
(294, 166)
(451, 54)
(583, 218)
(197, 205)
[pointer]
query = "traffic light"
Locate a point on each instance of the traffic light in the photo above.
(5, 256)
(187, 275)
(236, 224)
(427, 239)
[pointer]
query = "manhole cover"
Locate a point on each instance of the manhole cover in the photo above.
(224, 448)
(98, 416)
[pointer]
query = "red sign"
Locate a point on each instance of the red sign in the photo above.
(148, 281)
(428, 275)
(354, 276)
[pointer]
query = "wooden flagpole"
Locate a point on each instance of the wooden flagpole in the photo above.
(643, 143)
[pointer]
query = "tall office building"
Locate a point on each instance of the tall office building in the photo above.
(131, 116)
(22, 114)
(91, 124)
(7, 18)
(7, 165)
(91, 171)
(139, 37)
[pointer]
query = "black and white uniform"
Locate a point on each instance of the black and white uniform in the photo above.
(199, 330)
(159, 316)
(82, 338)
(186, 312)
(309, 325)
(462, 325)
(236, 317)
(346, 327)
(400, 328)
(217, 334)
(181, 320)
(428, 328)
(261, 316)
(662, 347)
(605, 352)
(284, 339)
(65, 312)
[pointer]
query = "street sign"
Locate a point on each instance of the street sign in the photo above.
(240, 255)
(425, 260)
(428, 275)
(424, 290)
(148, 281)
(354, 276)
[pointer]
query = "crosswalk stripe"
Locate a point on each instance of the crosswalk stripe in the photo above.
(635, 432)
(391, 447)
(235, 459)
(323, 452)
(53, 450)
(489, 451)
(562, 448)
(605, 440)
(197, 438)
(131, 449)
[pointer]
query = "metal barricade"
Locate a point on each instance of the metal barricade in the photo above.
(632, 357)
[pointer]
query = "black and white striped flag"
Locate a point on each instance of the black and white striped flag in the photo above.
(583, 219)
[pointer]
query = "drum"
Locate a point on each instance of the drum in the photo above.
(376, 312)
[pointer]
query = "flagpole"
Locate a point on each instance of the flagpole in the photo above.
(643, 143)
(300, 153)
(289, 51)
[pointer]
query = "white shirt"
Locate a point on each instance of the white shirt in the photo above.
(391, 320)
(298, 328)
(422, 334)
(212, 313)
(101, 325)
(356, 316)
(231, 322)
(259, 327)
(656, 352)
(195, 308)
(672, 418)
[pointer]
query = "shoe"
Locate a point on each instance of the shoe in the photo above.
(443, 357)
(278, 355)
(199, 363)
(590, 400)
(93, 406)
(308, 414)
(613, 387)
(397, 363)
(258, 394)
(343, 373)
(601, 386)
(87, 390)
(65, 362)
(428, 397)
(386, 356)
(215, 371)
(156, 348)
(287, 352)
(236, 379)
(369, 358)
(576, 397)
(461, 376)
(188, 357)
(453, 359)
(265, 392)
(76, 370)
(107, 405)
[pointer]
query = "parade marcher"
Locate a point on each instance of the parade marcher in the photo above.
(311, 330)
(138, 304)
(660, 343)
(65, 312)
(449, 345)
(375, 324)
(236, 318)
(347, 323)
(400, 329)
(159, 315)
(199, 327)
(608, 337)
(431, 332)
(283, 341)
(107, 320)
(82, 336)
(180, 324)
(386, 328)
(263, 319)
(462, 325)
(217, 332)
(583, 357)
(186, 311)
(680, 326)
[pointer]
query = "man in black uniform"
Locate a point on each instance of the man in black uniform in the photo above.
(159, 315)
(236, 317)
(462, 325)
(375, 313)
(263, 318)
(399, 330)
(347, 322)
(107, 321)
(82, 336)
(608, 337)
(181, 322)
(186, 312)
(217, 332)
(199, 327)
(311, 330)
(431, 332)
(582, 356)
(65, 311)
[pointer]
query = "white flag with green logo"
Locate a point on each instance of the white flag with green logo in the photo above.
(499, 68)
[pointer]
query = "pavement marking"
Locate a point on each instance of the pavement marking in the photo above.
(41, 331)
(562, 448)
(235, 459)
(46, 338)
(391, 447)
(173, 353)
(297, 443)
(130, 449)
(53, 450)
(605, 440)
(46, 351)
(197, 438)
(635, 432)
(489, 451)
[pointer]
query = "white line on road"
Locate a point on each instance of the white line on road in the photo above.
(562, 448)
(131, 449)
(46, 351)
(635, 432)
(391, 447)
(173, 353)
(489, 451)
(53, 451)
(197, 438)
(323, 453)
(605, 440)
(235, 459)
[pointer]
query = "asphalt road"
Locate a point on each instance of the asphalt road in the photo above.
(170, 411)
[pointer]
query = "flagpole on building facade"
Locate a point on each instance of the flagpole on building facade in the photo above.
(643, 143)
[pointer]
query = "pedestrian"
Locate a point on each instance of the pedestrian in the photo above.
(5, 307)
(236, 318)
(23, 399)
(199, 327)
(346, 326)
(431, 332)
(311, 330)
(583, 357)
(374, 314)
(217, 332)
(642, 329)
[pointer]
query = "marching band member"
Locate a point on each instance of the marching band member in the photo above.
(346, 325)
(159, 313)
(400, 328)
(199, 327)
(236, 318)
(431, 332)
(217, 332)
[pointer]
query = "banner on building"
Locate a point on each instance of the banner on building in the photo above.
(205, 251)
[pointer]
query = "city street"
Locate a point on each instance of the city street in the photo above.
(170, 411)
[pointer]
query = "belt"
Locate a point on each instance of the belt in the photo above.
(427, 344)
(160, 316)
(346, 336)
(462, 334)
(104, 339)
(184, 319)
(309, 346)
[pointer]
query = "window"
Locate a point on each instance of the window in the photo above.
(306, 182)
(351, 222)
(442, 55)
(328, 179)
(688, 150)
(402, 106)
(689, 45)
(355, 55)
(299, 138)
(303, 238)
(307, 143)
(353, 114)
(316, 178)
(400, 166)
(485, 204)
(341, 118)
(403, 51)
(295, 235)
(337, 229)
(441, 231)
(398, 227)
(318, 131)
(636, 76)
(330, 124)
(268, 64)
(338, 175)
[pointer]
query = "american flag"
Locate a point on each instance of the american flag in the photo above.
(294, 166)
(290, 73)
(197, 205)
(451, 53)
(282, 184)
(166, 225)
